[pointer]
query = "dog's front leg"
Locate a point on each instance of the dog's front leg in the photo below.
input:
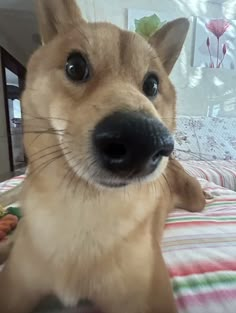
(161, 298)
(185, 190)
(145, 287)
(20, 281)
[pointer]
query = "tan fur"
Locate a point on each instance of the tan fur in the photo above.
(5, 249)
(78, 240)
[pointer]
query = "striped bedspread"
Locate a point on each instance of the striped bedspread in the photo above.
(11, 183)
(200, 252)
(222, 173)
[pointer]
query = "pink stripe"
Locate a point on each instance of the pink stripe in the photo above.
(225, 200)
(201, 268)
(204, 173)
(231, 171)
(224, 209)
(221, 177)
(221, 173)
(203, 298)
(215, 188)
(227, 211)
(220, 214)
(175, 224)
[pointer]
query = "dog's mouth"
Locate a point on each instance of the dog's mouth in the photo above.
(137, 176)
(112, 184)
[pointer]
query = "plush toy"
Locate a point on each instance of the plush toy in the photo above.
(9, 219)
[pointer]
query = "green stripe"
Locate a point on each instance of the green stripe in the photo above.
(208, 280)
(201, 218)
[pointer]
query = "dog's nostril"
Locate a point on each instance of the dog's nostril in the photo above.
(167, 150)
(115, 151)
(156, 157)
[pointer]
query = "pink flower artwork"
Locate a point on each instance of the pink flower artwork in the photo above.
(217, 28)
(215, 45)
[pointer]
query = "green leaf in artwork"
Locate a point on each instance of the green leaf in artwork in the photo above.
(148, 25)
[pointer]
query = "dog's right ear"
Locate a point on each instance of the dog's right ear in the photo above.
(57, 16)
(169, 40)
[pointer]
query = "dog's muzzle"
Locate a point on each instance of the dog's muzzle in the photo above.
(131, 144)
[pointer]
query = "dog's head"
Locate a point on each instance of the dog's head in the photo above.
(101, 96)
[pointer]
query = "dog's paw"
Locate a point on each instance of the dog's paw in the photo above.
(207, 195)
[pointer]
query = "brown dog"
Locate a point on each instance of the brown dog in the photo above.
(99, 110)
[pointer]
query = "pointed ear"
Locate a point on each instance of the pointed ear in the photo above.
(169, 40)
(57, 16)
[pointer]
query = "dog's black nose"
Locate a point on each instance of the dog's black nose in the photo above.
(131, 144)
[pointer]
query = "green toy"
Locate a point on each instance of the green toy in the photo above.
(148, 25)
(9, 219)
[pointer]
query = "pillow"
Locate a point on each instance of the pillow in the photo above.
(205, 138)
(222, 173)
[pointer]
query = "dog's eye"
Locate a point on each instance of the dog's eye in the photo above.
(77, 67)
(150, 85)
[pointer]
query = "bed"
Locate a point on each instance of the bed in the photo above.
(200, 248)
(200, 253)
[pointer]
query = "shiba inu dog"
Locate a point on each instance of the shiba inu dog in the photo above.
(99, 113)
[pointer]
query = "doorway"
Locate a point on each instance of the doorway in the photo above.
(13, 80)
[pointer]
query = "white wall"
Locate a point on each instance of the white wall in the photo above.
(16, 30)
(198, 89)
(8, 44)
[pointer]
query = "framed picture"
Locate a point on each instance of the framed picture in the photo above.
(215, 43)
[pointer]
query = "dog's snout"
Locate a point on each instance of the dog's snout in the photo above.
(131, 144)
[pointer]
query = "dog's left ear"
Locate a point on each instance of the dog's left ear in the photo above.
(169, 40)
(56, 17)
